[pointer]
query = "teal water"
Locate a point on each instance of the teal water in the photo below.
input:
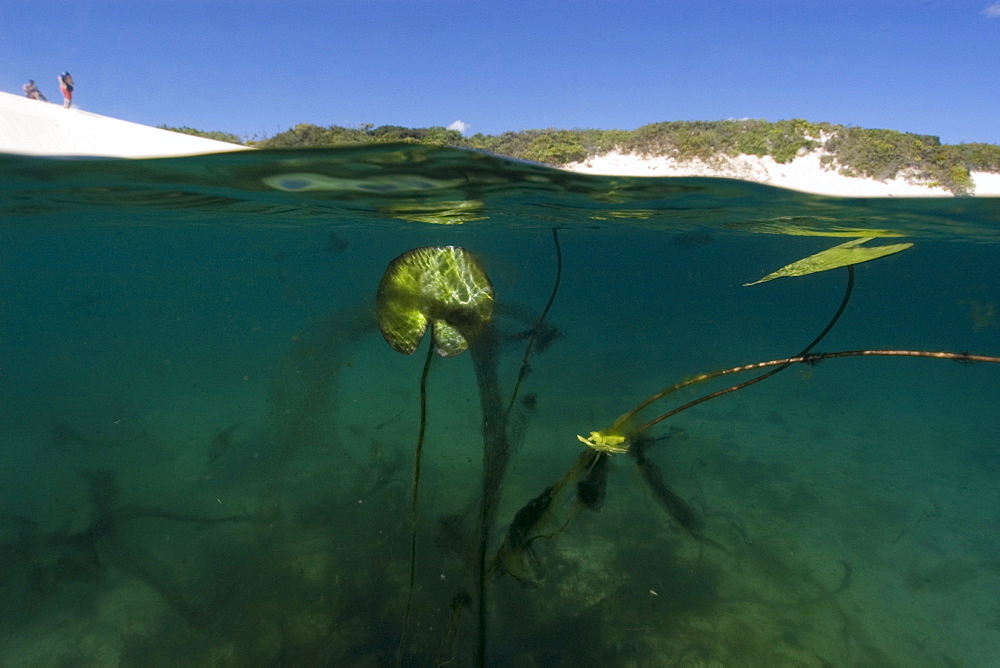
(208, 446)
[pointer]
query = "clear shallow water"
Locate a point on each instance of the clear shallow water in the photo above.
(209, 446)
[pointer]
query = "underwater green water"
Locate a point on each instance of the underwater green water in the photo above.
(208, 446)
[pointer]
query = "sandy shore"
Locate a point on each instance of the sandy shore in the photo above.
(34, 127)
(804, 173)
(41, 128)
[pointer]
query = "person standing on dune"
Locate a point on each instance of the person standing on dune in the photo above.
(31, 91)
(66, 86)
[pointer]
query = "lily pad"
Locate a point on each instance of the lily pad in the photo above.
(444, 287)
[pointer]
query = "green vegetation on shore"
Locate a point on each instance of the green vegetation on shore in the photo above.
(217, 136)
(853, 151)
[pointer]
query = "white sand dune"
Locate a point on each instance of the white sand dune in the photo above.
(42, 128)
(805, 173)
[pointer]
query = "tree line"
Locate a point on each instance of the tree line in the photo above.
(853, 151)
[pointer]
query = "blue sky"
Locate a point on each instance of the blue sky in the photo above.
(253, 67)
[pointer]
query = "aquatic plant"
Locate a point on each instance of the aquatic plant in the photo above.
(447, 289)
(61, 558)
(616, 438)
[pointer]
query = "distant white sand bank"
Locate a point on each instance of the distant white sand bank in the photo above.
(34, 127)
(41, 128)
(804, 173)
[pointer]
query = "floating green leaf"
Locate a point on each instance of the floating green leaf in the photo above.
(444, 287)
(831, 258)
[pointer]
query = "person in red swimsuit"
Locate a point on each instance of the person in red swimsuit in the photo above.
(66, 86)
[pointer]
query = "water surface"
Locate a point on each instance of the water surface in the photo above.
(208, 446)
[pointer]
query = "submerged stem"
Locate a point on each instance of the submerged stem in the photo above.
(848, 290)
(522, 372)
(414, 507)
(496, 452)
(811, 358)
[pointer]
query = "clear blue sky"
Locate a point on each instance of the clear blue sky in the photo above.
(253, 67)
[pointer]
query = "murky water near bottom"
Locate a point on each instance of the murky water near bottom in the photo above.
(209, 446)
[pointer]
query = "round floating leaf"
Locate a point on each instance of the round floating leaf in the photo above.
(444, 287)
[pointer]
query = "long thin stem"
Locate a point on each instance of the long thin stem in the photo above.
(522, 372)
(414, 506)
(811, 358)
(826, 330)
